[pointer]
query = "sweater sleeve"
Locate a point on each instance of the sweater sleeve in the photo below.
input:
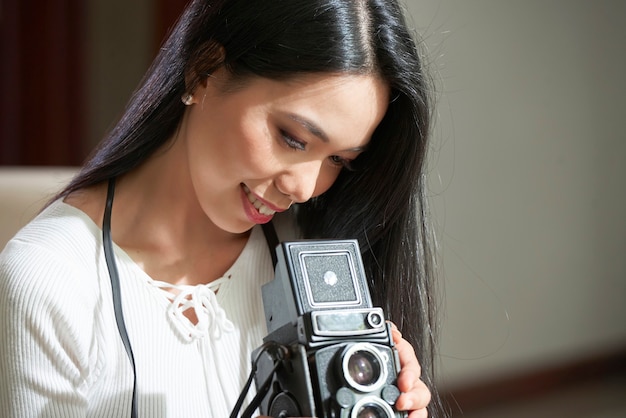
(47, 345)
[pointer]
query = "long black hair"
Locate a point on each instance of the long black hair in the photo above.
(382, 203)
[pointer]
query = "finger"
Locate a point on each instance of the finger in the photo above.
(417, 398)
(420, 413)
(408, 359)
(415, 394)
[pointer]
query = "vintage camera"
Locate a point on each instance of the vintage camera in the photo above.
(340, 360)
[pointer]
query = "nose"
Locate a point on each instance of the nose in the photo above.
(301, 182)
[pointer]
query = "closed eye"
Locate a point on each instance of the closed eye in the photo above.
(292, 142)
(299, 145)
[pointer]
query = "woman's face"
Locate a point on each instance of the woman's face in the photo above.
(255, 149)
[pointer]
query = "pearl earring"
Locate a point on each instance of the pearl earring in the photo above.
(187, 99)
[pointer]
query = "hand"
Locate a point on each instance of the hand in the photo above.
(415, 395)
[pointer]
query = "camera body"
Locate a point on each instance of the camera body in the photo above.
(341, 361)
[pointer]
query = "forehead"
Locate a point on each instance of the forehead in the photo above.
(347, 108)
(354, 103)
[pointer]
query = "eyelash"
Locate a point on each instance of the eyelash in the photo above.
(292, 142)
(298, 145)
(341, 162)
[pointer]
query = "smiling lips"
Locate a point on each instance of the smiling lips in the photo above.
(256, 209)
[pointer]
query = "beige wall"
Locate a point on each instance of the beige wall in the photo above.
(528, 180)
(119, 50)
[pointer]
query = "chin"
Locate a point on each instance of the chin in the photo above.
(236, 228)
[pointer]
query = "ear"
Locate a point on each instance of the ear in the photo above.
(207, 58)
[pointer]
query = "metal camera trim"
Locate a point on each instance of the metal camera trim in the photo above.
(369, 314)
(374, 401)
(367, 347)
(304, 254)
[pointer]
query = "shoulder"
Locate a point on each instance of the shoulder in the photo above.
(52, 304)
(54, 256)
(60, 230)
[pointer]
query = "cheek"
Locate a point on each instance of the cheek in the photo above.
(256, 146)
(256, 159)
(238, 149)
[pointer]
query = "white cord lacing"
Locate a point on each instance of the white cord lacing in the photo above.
(212, 320)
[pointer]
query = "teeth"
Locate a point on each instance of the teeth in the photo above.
(264, 210)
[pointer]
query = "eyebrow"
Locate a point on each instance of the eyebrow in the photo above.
(310, 126)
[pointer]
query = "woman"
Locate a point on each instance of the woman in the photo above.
(251, 107)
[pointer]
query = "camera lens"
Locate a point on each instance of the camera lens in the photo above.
(363, 367)
(371, 407)
(371, 411)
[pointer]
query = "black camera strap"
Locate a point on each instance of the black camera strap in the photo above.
(115, 287)
(272, 240)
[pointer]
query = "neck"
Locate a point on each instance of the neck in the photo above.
(158, 221)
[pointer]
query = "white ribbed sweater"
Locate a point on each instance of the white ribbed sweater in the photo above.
(60, 351)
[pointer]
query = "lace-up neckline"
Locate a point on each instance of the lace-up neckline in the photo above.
(212, 320)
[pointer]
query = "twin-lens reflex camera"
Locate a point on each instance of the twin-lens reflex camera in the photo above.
(336, 358)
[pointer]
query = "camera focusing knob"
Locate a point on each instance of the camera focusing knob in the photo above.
(390, 394)
(375, 319)
(345, 398)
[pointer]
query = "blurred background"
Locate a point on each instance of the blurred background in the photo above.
(527, 169)
(528, 184)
